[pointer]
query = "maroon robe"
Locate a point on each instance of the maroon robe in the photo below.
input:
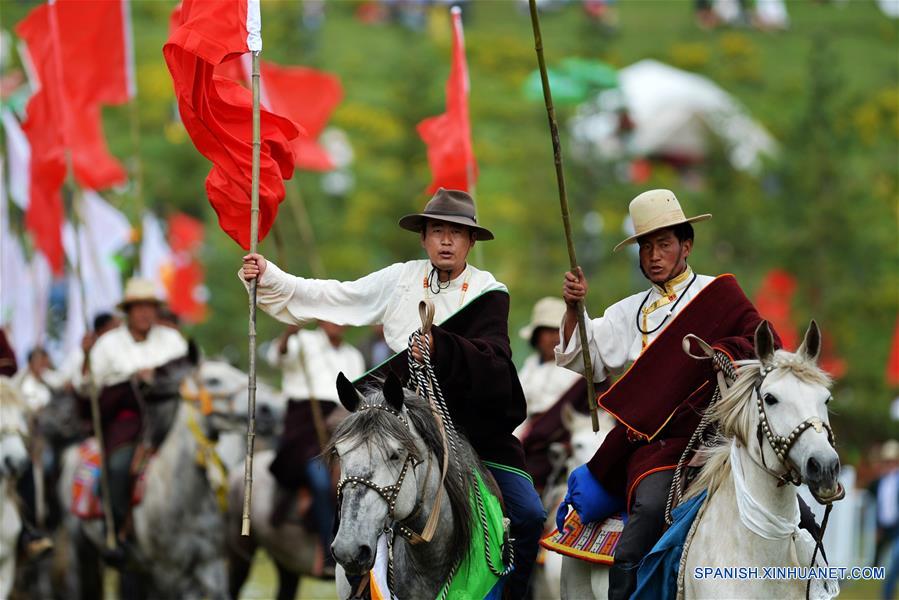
(660, 399)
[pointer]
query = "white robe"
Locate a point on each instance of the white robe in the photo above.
(389, 296)
(117, 355)
(311, 365)
(614, 339)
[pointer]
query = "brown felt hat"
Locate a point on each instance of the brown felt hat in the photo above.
(453, 206)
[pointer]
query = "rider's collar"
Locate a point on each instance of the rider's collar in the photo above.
(675, 284)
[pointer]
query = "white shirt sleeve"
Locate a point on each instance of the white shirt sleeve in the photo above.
(298, 300)
(609, 339)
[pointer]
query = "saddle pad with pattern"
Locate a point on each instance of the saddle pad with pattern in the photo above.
(86, 503)
(593, 542)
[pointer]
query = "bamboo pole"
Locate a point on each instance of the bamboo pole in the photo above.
(92, 386)
(254, 242)
(563, 202)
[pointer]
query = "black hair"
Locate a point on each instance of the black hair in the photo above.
(682, 231)
(535, 335)
(35, 351)
(101, 320)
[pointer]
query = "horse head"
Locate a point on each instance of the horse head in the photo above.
(378, 449)
(584, 441)
(791, 397)
(14, 457)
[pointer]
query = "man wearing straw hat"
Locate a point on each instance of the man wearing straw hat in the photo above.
(547, 388)
(661, 393)
(132, 350)
(469, 343)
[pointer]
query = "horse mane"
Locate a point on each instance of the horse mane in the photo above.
(734, 414)
(375, 427)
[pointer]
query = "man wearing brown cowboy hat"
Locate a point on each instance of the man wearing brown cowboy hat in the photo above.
(131, 350)
(469, 343)
(661, 392)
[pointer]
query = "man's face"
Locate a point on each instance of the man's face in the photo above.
(142, 316)
(547, 338)
(662, 256)
(40, 362)
(447, 244)
(333, 331)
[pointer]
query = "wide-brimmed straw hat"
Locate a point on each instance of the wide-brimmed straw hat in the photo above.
(654, 210)
(453, 206)
(548, 312)
(139, 290)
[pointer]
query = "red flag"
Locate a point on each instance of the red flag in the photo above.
(448, 136)
(892, 372)
(217, 113)
(774, 302)
(80, 54)
(186, 290)
(308, 97)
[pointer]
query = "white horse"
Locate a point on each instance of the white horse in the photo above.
(583, 445)
(179, 526)
(14, 460)
(773, 422)
(775, 430)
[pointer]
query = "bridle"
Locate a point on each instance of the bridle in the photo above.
(390, 493)
(781, 445)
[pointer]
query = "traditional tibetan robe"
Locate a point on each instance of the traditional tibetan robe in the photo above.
(472, 355)
(113, 360)
(659, 400)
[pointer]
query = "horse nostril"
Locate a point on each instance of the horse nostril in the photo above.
(814, 467)
(363, 556)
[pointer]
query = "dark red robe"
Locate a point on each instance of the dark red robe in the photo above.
(660, 399)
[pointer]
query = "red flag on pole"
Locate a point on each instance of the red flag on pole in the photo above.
(448, 136)
(217, 113)
(80, 57)
(308, 97)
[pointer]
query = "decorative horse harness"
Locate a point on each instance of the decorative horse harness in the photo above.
(425, 379)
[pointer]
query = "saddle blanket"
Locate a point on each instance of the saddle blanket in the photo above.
(593, 542)
(86, 503)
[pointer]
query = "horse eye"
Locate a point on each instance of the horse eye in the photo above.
(829, 398)
(770, 400)
(394, 455)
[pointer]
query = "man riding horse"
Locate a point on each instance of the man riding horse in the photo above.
(118, 360)
(469, 344)
(661, 394)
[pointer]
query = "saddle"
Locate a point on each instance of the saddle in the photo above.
(86, 502)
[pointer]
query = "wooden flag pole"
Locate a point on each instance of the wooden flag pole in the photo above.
(254, 241)
(563, 201)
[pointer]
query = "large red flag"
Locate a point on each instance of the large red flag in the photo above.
(217, 112)
(308, 97)
(80, 55)
(448, 136)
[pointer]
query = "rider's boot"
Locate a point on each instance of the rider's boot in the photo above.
(622, 581)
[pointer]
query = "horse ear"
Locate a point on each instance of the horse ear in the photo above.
(811, 345)
(393, 391)
(347, 393)
(764, 342)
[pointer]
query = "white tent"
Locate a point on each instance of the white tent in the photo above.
(673, 113)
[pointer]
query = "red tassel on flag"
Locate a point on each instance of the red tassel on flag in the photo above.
(448, 136)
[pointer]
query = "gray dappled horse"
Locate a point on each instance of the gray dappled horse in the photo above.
(14, 460)
(392, 448)
(179, 527)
